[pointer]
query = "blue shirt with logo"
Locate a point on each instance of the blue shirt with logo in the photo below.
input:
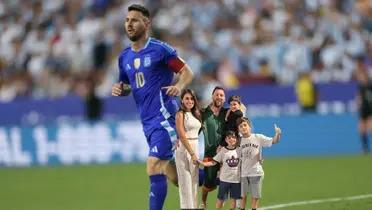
(147, 72)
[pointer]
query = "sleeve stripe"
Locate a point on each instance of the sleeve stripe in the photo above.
(165, 46)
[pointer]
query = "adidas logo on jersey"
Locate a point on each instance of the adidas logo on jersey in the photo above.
(128, 67)
(154, 149)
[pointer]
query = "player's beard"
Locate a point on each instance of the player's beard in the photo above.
(136, 35)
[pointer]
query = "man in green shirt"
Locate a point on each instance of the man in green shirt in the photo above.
(214, 128)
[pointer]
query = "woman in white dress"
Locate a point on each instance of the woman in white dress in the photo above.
(188, 124)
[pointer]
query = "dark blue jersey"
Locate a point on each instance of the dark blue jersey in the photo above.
(147, 72)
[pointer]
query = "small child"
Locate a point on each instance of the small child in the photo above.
(251, 168)
(234, 113)
(229, 159)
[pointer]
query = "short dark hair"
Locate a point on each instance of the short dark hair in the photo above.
(218, 88)
(243, 119)
(230, 133)
(142, 9)
(235, 98)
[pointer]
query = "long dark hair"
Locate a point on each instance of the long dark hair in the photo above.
(194, 110)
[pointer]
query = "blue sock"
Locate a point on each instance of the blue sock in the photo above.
(201, 176)
(158, 191)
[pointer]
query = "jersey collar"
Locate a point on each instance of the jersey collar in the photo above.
(144, 47)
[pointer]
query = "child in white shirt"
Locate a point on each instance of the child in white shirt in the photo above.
(251, 168)
(229, 159)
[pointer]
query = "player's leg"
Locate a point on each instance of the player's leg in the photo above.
(170, 136)
(158, 183)
(170, 170)
(160, 153)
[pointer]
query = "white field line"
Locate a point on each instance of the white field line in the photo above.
(301, 203)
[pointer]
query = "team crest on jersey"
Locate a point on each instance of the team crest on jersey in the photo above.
(147, 61)
(137, 63)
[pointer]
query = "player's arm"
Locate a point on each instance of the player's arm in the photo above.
(185, 77)
(121, 88)
(278, 133)
(182, 135)
(179, 66)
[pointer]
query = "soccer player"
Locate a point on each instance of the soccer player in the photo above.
(214, 128)
(251, 168)
(146, 69)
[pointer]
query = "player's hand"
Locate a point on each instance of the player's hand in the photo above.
(277, 129)
(116, 89)
(172, 90)
(120, 89)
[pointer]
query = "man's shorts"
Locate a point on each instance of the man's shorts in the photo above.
(160, 144)
(252, 185)
(225, 188)
(210, 176)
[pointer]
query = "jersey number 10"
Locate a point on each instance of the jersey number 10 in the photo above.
(140, 79)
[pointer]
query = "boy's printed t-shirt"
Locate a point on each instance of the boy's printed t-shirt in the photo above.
(230, 164)
(251, 149)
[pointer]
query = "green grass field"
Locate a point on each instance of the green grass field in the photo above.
(125, 187)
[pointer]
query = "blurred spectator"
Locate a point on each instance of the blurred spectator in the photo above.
(364, 103)
(43, 41)
(100, 53)
(93, 104)
(306, 93)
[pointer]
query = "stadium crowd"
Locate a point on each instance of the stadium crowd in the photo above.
(60, 47)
